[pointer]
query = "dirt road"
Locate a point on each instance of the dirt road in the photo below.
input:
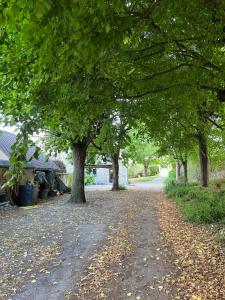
(110, 248)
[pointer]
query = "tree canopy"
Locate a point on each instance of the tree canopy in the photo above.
(68, 66)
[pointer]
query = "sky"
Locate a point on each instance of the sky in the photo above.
(11, 129)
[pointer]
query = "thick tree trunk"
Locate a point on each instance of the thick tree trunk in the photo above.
(203, 158)
(185, 167)
(115, 165)
(178, 166)
(79, 151)
(145, 169)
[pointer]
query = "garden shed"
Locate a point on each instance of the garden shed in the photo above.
(103, 173)
(43, 164)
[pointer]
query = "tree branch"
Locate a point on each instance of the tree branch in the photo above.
(149, 77)
(217, 125)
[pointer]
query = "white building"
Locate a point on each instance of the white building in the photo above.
(164, 171)
(103, 173)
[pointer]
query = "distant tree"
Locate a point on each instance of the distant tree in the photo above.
(141, 151)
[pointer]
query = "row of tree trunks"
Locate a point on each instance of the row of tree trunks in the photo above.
(179, 164)
(203, 161)
(79, 151)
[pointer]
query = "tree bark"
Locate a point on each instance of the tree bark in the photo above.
(203, 158)
(79, 151)
(184, 163)
(145, 169)
(115, 165)
(178, 166)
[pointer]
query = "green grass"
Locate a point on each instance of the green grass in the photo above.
(122, 187)
(197, 204)
(142, 179)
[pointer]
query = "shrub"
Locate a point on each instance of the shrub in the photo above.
(170, 181)
(198, 205)
(89, 179)
(122, 187)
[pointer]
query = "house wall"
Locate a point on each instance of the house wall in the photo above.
(123, 174)
(102, 176)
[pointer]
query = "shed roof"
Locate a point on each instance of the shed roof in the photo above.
(7, 140)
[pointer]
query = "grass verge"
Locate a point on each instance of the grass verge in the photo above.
(143, 179)
(197, 204)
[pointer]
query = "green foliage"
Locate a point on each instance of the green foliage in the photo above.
(140, 150)
(135, 170)
(89, 179)
(170, 181)
(198, 205)
(122, 188)
(153, 170)
(66, 66)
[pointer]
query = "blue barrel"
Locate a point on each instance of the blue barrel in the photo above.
(3, 198)
(25, 195)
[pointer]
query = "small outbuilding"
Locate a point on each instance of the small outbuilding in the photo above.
(103, 173)
(32, 170)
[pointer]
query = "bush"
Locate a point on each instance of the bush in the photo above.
(153, 170)
(89, 179)
(135, 170)
(122, 188)
(198, 205)
(170, 181)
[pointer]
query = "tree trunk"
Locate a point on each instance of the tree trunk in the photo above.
(145, 169)
(203, 158)
(178, 166)
(184, 163)
(79, 151)
(115, 165)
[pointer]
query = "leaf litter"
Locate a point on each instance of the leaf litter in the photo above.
(199, 258)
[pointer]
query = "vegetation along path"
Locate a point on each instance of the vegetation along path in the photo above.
(120, 245)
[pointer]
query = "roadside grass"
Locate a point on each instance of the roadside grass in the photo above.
(142, 179)
(122, 187)
(197, 205)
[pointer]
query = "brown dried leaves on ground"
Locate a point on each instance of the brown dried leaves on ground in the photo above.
(199, 258)
(101, 269)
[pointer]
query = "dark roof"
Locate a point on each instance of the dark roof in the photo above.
(7, 140)
(4, 163)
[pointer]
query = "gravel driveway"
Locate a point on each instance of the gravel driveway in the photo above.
(46, 252)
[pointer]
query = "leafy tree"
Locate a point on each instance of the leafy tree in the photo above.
(66, 65)
(141, 151)
(58, 81)
(114, 136)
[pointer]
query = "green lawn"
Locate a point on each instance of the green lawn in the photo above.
(142, 179)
